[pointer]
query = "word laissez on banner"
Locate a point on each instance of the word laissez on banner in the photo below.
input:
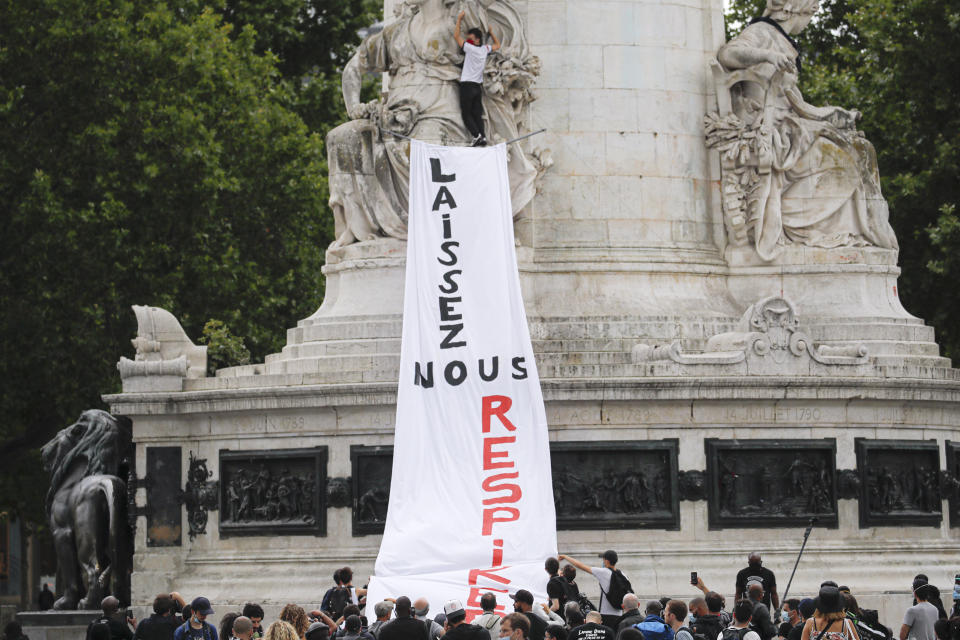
(455, 372)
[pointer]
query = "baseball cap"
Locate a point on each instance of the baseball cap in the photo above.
(452, 608)
(523, 595)
(610, 555)
(201, 605)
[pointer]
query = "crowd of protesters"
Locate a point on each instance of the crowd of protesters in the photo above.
(568, 614)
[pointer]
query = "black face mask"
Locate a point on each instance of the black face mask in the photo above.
(516, 607)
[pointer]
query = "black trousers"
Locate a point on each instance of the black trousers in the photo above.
(471, 104)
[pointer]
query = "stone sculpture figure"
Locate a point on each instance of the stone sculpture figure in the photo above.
(792, 173)
(369, 169)
(86, 508)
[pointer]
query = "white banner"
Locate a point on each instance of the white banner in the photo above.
(471, 499)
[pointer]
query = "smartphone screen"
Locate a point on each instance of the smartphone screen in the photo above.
(693, 577)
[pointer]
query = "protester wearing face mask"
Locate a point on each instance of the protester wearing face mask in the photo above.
(197, 627)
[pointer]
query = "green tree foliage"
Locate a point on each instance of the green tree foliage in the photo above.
(896, 62)
(223, 348)
(152, 153)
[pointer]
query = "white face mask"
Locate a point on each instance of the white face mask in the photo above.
(785, 616)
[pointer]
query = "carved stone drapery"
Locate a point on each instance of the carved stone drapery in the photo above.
(199, 496)
(771, 483)
(279, 491)
(899, 482)
(616, 485)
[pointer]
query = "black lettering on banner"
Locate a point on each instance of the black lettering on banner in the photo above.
(425, 381)
(452, 331)
(455, 373)
(493, 374)
(447, 248)
(447, 312)
(452, 287)
(444, 197)
(447, 231)
(518, 367)
(436, 173)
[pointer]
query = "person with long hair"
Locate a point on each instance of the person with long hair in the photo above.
(282, 630)
(297, 618)
(829, 620)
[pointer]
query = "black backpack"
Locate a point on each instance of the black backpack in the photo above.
(619, 587)
(339, 600)
(731, 633)
(693, 634)
(710, 628)
(96, 624)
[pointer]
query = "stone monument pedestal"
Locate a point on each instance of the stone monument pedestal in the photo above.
(56, 625)
(737, 398)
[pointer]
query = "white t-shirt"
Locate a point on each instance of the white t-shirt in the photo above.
(603, 577)
(473, 63)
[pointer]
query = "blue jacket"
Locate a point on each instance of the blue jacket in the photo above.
(654, 628)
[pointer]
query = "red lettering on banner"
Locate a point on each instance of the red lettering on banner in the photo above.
(503, 405)
(489, 454)
(514, 489)
(505, 492)
(490, 519)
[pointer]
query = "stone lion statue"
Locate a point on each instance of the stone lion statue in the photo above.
(86, 508)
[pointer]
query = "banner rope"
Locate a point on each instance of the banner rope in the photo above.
(518, 139)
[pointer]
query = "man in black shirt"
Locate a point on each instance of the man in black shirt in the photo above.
(162, 624)
(755, 571)
(556, 585)
(404, 626)
(119, 630)
(631, 613)
(592, 629)
(523, 603)
(457, 626)
(706, 619)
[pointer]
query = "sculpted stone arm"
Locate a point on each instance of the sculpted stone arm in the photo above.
(738, 55)
(350, 83)
(496, 43)
(837, 116)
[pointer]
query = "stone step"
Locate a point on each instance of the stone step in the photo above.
(333, 364)
(327, 320)
(891, 347)
(345, 331)
(879, 331)
(372, 346)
